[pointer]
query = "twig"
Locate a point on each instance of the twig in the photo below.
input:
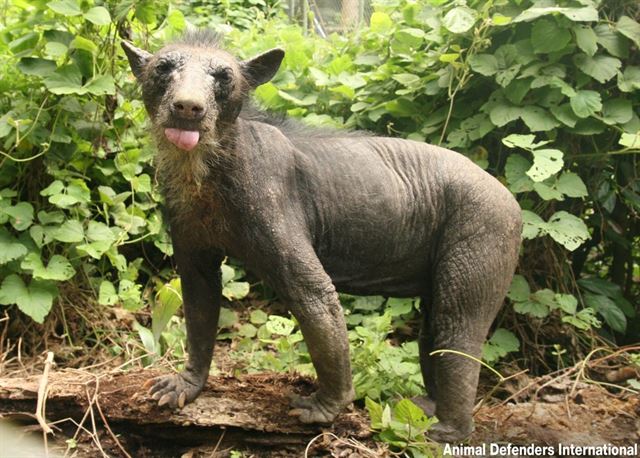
(42, 391)
(106, 425)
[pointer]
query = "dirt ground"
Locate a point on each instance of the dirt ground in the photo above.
(109, 414)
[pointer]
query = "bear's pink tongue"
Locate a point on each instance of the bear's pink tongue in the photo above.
(183, 139)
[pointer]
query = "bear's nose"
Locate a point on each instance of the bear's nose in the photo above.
(188, 109)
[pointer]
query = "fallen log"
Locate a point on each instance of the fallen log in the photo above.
(252, 409)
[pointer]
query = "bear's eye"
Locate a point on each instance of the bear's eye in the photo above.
(165, 65)
(223, 76)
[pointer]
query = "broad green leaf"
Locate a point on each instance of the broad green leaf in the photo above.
(503, 114)
(629, 28)
(571, 185)
(615, 44)
(146, 337)
(258, 317)
(538, 119)
(406, 79)
(70, 231)
(82, 43)
(107, 294)
(567, 229)
(567, 303)
(380, 22)
(368, 303)
(20, 215)
(97, 231)
(586, 39)
(280, 325)
(617, 111)
(55, 49)
(399, 306)
(65, 7)
(547, 36)
(101, 85)
(546, 162)
(629, 80)
(459, 19)
(247, 330)
(34, 300)
(584, 14)
(520, 141)
(65, 80)
(547, 192)
(407, 412)
(36, 66)
(506, 76)
(168, 301)
(532, 308)
(485, 64)
(375, 412)
(235, 290)
(499, 345)
(10, 248)
(515, 172)
(608, 309)
(98, 15)
(601, 68)
(609, 289)
(532, 225)
(519, 290)
(630, 140)
(58, 269)
(585, 103)
(564, 113)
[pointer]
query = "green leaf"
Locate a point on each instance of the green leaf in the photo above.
(532, 308)
(399, 306)
(520, 141)
(506, 76)
(98, 15)
(380, 22)
(34, 300)
(564, 113)
(65, 80)
(459, 19)
(567, 303)
(601, 68)
(547, 36)
(629, 80)
(629, 28)
(519, 290)
(503, 113)
(515, 172)
(406, 79)
(485, 64)
(258, 317)
(538, 119)
(70, 231)
(611, 313)
(586, 39)
(235, 290)
(107, 294)
(375, 412)
(613, 42)
(20, 215)
(65, 7)
(36, 66)
(567, 229)
(82, 43)
(368, 303)
(407, 412)
(571, 185)
(546, 162)
(10, 248)
(59, 268)
(168, 301)
(532, 225)
(280, 325)
(146, 337)
(546, 192)
(585, 103)
(101, 85)
(630, 140)
(617, 111)
(499, 345)
(584, 14)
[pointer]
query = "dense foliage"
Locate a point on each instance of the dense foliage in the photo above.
(544, 95)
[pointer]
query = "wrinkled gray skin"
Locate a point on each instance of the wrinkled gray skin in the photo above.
(313, 213)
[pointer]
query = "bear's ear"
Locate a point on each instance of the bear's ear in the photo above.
(263, 67)
(138, 58)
